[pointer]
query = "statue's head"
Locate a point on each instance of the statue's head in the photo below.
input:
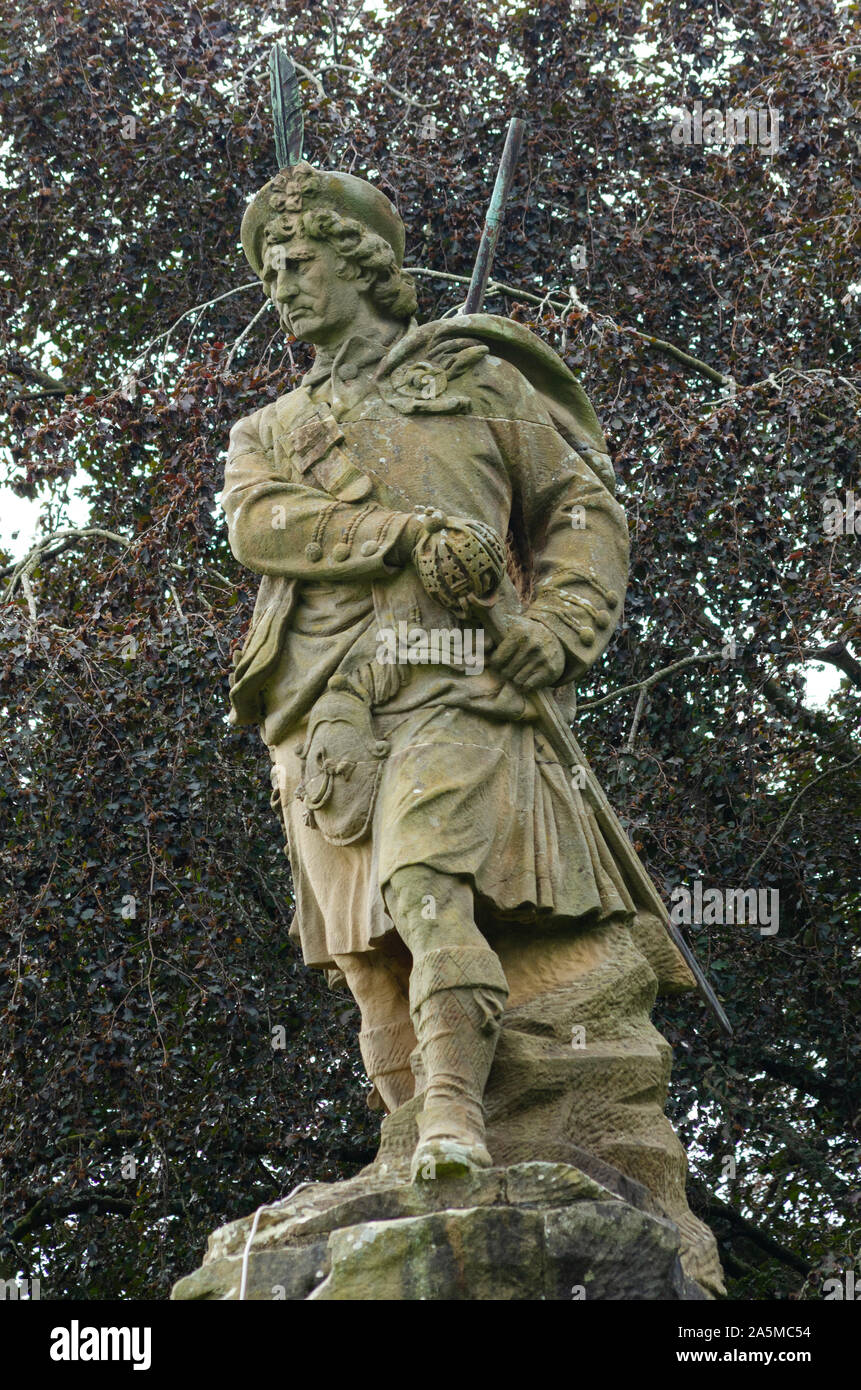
(329, 249)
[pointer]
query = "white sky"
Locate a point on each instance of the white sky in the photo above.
(19, 528)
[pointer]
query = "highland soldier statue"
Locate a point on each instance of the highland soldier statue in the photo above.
(444, 858)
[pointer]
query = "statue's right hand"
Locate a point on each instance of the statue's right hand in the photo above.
(402, 552)
(460, 562)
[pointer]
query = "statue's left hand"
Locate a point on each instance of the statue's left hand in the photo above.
(529, 655)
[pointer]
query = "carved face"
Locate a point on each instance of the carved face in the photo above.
(313, 300)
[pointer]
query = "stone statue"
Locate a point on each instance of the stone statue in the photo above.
(446, 865)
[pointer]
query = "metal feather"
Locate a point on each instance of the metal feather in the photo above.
(286, 108)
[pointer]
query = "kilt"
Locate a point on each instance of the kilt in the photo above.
(468, 795)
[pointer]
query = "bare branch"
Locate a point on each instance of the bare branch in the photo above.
(197, 309)
(829, 772)
(369, 76)
(687, 359)
(312, 77)
(46, 549)
(18, 367)
(545, 301)
(267, 303)
(635, 722)
(649, 681)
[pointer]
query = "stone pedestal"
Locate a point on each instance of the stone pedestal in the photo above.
(530, 1231)
(588, 1183)
(581, 1077)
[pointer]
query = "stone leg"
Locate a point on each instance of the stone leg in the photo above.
(457, 996)
(379, 983)
(580, 1077)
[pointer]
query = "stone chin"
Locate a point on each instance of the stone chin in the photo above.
(300, 323)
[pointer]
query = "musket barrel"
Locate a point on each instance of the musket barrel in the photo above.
(493, 221)
(550, 721)
(568, 750)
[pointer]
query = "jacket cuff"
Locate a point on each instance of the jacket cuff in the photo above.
(577, 639)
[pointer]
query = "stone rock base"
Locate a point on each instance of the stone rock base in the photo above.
(529, 1231)
(581, 1077)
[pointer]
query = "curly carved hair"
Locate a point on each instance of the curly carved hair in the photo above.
(361, 252)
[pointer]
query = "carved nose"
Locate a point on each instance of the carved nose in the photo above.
(285, 287)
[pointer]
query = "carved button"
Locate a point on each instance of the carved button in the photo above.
(602, 618)
(313, 552)
(348, 372)
(341, 551)
(587, 636)
(370, 548)
(612, 597)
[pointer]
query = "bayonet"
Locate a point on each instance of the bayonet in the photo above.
(287, 115)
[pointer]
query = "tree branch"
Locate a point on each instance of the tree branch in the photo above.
(44, 549)
(711, 1206)
(817, 1164)
(806, 1080)
(660, 344)
(829, 772)
(649, 681)
(638, 714)
(49, 1209)
(812, 721)
(316, 78)
(837, 654)
(15, 365)
(680, 355)
(267, 304)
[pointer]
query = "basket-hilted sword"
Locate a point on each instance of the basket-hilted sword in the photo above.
(289, 134)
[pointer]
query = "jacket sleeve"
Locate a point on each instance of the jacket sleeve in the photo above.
(574, 533)
(279, 527)
(580, 545)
